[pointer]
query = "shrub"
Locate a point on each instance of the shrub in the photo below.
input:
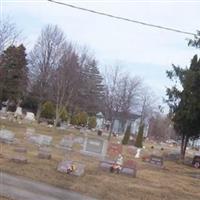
(139, 138)
(92, 122)
(82, 118)
(79, 119)
(48, 110)
(64, 114)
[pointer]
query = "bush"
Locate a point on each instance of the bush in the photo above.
(82, 118)
(30, 103)
(79, 119)
(139, 138)
(92, 122)
(64, 114)
(127, 135)
(48, 110)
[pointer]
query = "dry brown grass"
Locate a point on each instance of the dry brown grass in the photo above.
(4, 198)
(173, 182)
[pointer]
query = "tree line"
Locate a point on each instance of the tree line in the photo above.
(65, 78)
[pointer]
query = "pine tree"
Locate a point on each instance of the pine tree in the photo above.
(14, 73)
(139, 139)
(127, 135)
(184, 103)
(91, 90)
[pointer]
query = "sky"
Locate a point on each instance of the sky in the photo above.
(142, 51)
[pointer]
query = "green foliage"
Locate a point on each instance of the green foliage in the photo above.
(48, 110)
(63, 114)
(74, 120)
(92, 122)
(82, 118)
(139, 139)
(185, 103)
(79, 119)
(13, 73)
(30, 103)
(127, 135)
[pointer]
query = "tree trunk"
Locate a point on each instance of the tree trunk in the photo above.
(184, 143)
(111, 127)
(57, 117)
(39, 110)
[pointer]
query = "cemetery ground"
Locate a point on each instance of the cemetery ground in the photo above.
(172, 182)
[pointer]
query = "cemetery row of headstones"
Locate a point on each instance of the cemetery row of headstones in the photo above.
(97, 147)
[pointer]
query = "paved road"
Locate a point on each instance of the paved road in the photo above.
(23, 189)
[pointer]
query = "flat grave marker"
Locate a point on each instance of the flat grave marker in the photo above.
(7, 136)
(44, 153)
(19, 159)
(64, 166)
(21, 149)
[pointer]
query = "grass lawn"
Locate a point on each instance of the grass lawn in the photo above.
(172, 182)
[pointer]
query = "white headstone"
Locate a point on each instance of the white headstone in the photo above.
(3, 109)
(138, 153)
(30, 116)
(18, 111)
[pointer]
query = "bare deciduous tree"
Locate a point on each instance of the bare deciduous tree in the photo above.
(121, 93)
(44, 59)
(8, 34)
(65, 80)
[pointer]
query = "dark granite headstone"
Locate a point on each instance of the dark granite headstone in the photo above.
(156, 160)
(129, 168)
(19, 159)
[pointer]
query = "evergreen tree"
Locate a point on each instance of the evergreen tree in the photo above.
(139, 139)
(91, 90)
(14, 72)
(127, 135)
(185, 103)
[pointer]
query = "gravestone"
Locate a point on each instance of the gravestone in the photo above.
(44, 153)
(78, 140)
(114, 149)
(7, 136)
(21, 149)
(138, 153)
(173, 156)
(67, 142)
(29, 132)
(40, 139)
(131, 150)
(156, 161)
(30, 116)
(129, 168)
(3, 109)
(19, 159)
(18, 111)
(94, 147)
(63, 126)
(64, 166)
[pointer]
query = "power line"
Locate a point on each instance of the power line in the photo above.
(123, 18)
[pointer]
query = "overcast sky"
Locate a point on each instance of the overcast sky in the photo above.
(144, 51)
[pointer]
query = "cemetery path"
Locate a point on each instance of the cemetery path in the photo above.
(19, 188)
